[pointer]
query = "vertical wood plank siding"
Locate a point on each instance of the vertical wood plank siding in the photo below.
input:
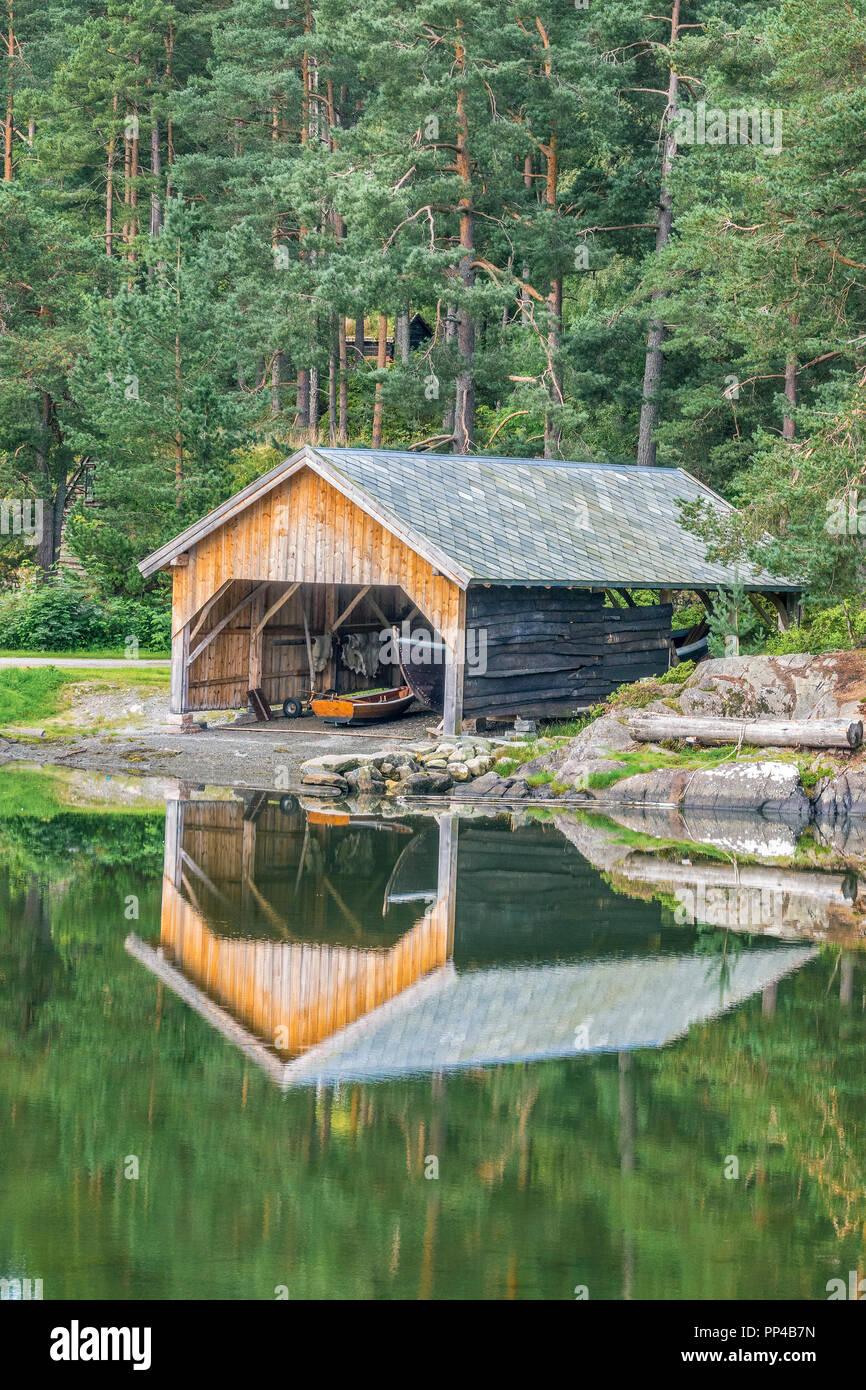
(308, 990)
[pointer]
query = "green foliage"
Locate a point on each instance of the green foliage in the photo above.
(32, 693)
(642, 760)
(735, 628)
(824, 630)
(67, 616)
(275, 172)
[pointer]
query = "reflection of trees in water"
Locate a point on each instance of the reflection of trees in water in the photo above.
(722, 948)
(791, 1078)
(31, 968)
(551, 1174)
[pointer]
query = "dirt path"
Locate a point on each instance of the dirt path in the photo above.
(266, 758)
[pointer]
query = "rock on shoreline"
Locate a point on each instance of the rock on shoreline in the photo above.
(421, 769)
(796, 687)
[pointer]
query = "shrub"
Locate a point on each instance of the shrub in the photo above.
(64, 616)
(825, 630)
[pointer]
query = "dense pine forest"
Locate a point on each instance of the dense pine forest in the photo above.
(572, 229)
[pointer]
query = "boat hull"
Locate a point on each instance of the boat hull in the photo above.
(366, 709)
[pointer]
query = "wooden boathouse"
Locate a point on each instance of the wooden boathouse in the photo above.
(510, 579)
(257, 937)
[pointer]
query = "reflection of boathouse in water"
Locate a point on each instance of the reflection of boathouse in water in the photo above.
(347, 948)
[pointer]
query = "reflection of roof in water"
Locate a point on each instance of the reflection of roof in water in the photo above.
(449, 1020)
(517, 1015)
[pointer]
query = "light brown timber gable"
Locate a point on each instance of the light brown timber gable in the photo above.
(305, 530)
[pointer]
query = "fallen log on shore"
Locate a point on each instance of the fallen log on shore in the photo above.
(759, 733)
(807, 883)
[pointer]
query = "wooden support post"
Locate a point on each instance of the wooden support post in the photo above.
(446, 885)
(248, 861)
(179, 688)
(455, 668)
(309, 644)
(257, 608)
(330, 672)
(172, 860)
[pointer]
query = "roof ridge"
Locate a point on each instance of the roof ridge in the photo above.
(536, 462)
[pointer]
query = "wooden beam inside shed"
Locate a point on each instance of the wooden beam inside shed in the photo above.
(350, 607)
(254, 668)
(211, 603)
(193, 656)
(275, 607)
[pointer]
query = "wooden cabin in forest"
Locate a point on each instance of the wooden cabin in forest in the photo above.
(503, 586)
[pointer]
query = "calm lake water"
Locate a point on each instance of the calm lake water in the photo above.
(402, 1058)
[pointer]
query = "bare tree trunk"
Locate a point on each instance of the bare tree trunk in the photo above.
(524, 294)
(401, 336)
(464, 396)
(155, 166)
(314, 403)
(53, 496)
(178, 383)
(133, 188)
(302, 408)
(127, 167)
(552, 425)
(109, 186)
(381, 363)
(649, 414)
(9, 120)
(450, 335)
(332, 382)
(344, 383)
(276, 378)
(169, 129)
(792, 367)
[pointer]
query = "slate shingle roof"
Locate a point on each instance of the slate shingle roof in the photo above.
(479, 1017)
(517, 521)
(537, 521)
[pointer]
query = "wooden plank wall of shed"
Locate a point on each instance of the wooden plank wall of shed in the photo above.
(312, 990)
(558, 649)
(307, 531)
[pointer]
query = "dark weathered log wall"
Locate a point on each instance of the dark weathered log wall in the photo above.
(554, 650)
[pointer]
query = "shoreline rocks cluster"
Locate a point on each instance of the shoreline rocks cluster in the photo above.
(757, 780)
(417, 769)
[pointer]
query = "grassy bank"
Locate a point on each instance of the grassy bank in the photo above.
(48, 696)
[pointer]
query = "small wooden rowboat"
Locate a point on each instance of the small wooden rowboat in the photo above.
(349, 708)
